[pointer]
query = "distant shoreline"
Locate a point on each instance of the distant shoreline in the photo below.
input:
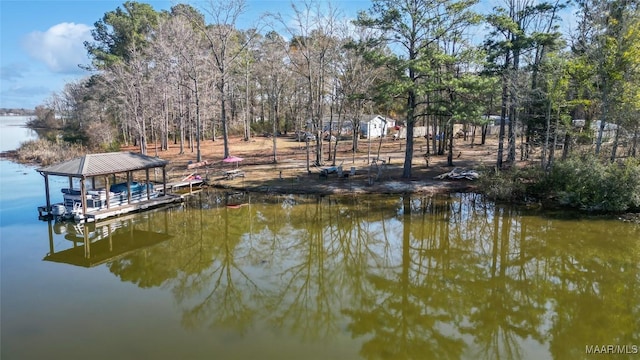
(11, 155)
(17, 112)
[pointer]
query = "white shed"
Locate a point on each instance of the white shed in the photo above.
(608, 133)
(375, 126)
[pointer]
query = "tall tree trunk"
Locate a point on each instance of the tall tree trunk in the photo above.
(503, 116)
(483, 135)
(329, 155)
(223, 116)
(247, 123)
(434, 132)
(274, 115)
(198, 123)
(614, 148)
(634, 147)
(513, 112)
(603, 121)
(473, 135)
(450, 140)
(408, 154)
(165, 122)
(547, 137)
(552, 150)
(182, 125)
(566, 147)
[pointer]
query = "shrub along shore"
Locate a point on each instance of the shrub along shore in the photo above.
(580, 182)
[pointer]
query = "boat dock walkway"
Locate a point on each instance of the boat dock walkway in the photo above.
(134, 207)
(95, 215)
(176, 192)
(180, 186)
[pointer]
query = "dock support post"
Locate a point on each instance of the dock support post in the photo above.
(164, 180)
(46, 191)
(106, 184)
(147, 184)
(129, 187)
(50, 236)
(87, 243)
(83, 197)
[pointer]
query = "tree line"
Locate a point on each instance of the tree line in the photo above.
(189, 74)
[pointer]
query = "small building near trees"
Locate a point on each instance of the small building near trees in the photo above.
(373, 125)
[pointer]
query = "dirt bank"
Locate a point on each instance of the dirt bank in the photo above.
(289, 173)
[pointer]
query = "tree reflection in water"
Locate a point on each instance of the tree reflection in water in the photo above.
(406, 277)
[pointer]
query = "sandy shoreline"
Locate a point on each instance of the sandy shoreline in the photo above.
(289, 175)
(344, 186)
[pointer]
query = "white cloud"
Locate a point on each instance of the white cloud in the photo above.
(12, 72)
(60, 47)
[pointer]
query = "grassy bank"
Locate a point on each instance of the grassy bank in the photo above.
(45, 152)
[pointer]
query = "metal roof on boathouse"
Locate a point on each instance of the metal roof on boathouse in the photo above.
(103, 164)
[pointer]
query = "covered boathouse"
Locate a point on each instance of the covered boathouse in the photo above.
(92, 167)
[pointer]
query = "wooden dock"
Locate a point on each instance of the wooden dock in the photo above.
(91, 167)
(193, 185)
(134, 207)
(176, 192)
(180, 185)
(142, 205)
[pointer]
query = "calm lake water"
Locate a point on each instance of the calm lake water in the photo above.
(284, 277)
(14, 132)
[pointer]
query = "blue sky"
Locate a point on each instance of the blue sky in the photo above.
(41, 42)
(42, 45)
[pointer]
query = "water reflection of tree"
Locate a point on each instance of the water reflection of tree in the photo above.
(596, 274)
(303, 300)
(200, 263)
(185, 253)
(507, 307)
(327, 257)
(409, 309)
(219, 291)
(297, 282)
(409, 275)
